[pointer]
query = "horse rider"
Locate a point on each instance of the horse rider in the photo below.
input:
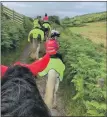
(52, 44)
(35, 37)
(54, 70)
(47, 26)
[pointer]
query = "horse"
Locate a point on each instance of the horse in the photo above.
(19, 93)
(54, 72)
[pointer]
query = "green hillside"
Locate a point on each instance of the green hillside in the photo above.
(87, 18)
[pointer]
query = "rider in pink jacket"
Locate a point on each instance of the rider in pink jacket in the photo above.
(45, 18)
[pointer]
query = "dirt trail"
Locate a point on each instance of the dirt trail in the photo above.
(25, 53)
(41, 82)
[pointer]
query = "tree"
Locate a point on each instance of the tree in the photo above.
(54, 19)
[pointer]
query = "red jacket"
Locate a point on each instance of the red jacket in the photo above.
(45, 18)
(51, 46)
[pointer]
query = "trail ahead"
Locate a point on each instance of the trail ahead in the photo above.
(41, 83)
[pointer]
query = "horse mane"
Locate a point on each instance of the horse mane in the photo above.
(20, 95)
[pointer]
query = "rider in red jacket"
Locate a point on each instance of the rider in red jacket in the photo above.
(45, 18)
(52, 45)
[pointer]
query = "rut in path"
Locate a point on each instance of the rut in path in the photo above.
(41, 83)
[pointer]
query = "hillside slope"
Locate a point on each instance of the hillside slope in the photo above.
(92, 26)
(82, 19)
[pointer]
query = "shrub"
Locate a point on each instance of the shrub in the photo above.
(28, 25)
(13, 38)
(12, 33)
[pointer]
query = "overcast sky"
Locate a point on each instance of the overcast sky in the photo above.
(61, 9)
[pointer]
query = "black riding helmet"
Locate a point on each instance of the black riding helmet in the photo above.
(45, 14)
(55, 35)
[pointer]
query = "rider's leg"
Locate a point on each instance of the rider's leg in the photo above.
(59, 55)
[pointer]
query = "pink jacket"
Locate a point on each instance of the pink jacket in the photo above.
(45, 18)
(51, 46)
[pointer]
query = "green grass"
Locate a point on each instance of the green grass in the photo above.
(86, 18)
(94, 31)
(72, 108)
(10, 57)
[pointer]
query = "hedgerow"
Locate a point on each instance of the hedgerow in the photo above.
(13, 38)
(85, 65)
(12, 33)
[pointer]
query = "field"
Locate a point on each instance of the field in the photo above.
(94, 31)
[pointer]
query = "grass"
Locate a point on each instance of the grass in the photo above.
(94, 31)
(10, 57)
(72, 108)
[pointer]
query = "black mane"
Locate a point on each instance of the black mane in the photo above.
(20, 95)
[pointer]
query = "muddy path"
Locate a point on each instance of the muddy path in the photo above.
(41, 83)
